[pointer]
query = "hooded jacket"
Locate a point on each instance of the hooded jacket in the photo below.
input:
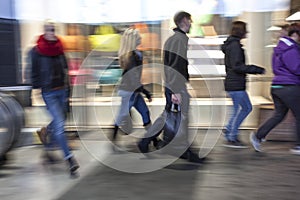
(286, 62)
(236, 69)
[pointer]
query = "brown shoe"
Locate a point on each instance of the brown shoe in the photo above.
(73, 145)
(42, 135)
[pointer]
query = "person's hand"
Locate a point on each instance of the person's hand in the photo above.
(176, 98)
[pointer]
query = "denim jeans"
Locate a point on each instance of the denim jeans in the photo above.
(241, 109)
(129, 100)
(284, 98)
(55, 102)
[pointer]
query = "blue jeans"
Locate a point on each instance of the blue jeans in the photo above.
(129, 100)
(55, 102)
(241, 109)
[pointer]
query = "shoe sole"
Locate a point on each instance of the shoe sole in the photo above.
(252, 141)
(235, 147)
(74, 168)
(295, 152)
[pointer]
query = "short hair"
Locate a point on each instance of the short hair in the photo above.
(294, 28)
(179, 16)
(238, 29)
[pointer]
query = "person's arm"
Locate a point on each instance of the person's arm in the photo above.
(35, 70)
(294, 63)
(237, 62)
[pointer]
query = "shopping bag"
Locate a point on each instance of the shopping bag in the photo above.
(172, 123)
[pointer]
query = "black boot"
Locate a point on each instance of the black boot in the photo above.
(192, 157)
(114, 137)
(143, 145)
(73, 164)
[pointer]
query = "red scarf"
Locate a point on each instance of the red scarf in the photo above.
(49, 48)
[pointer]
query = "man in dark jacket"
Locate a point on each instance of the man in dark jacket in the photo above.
(176, 76)
(48, 73)
(235, 82)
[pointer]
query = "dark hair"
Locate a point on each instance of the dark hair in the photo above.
(179, 16)
(294, 28)
(238, 29)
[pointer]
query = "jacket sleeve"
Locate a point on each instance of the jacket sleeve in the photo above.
(66, 70)
(237, 61)
(293, 64)
(35, 69)
(175, 67)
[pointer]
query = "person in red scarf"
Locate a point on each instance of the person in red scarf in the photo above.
(48, 73)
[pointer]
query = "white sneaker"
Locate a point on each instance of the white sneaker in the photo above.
(295, 150)
(255, 142)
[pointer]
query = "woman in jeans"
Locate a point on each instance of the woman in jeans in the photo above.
(235, 82)
(285, 88)
(130, 88)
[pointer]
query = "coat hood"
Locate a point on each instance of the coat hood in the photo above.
(284, 45)
(229, 41)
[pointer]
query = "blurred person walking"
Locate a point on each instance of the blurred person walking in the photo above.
(235, 82)
(176, 76)
(130, 88)
(285, 88)
(49, 67)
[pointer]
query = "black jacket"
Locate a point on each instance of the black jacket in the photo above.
(175, 61)
(236, 69)
(131, 76)
(48, 72)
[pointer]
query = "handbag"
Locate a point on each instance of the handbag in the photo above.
(172, 123)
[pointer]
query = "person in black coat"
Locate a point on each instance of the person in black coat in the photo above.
(176, 77)
(235, 82)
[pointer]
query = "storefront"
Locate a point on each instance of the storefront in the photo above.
(91, 31)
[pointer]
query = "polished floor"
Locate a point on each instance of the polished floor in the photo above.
(226, 174)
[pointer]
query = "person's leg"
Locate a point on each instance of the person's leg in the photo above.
(234, 112)
(55, 106)
(124, 107)
(292, 100)
(279, 113)
(242, 99)
(153, 132)
(123, 114)
(140, 105)
(56, 109)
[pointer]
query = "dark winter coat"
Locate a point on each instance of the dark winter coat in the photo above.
(48, 72)
(236, 69)
(175, 61)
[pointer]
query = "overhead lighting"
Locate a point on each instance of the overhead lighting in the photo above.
(294, 17)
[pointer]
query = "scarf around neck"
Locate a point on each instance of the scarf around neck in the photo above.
(49, 48)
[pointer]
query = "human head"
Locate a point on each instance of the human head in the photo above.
(284, 30)
(130, 40)
(49, 30)
(294, 31)
(183, 21)
(239, 29)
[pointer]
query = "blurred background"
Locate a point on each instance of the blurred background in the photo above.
(91, 32)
